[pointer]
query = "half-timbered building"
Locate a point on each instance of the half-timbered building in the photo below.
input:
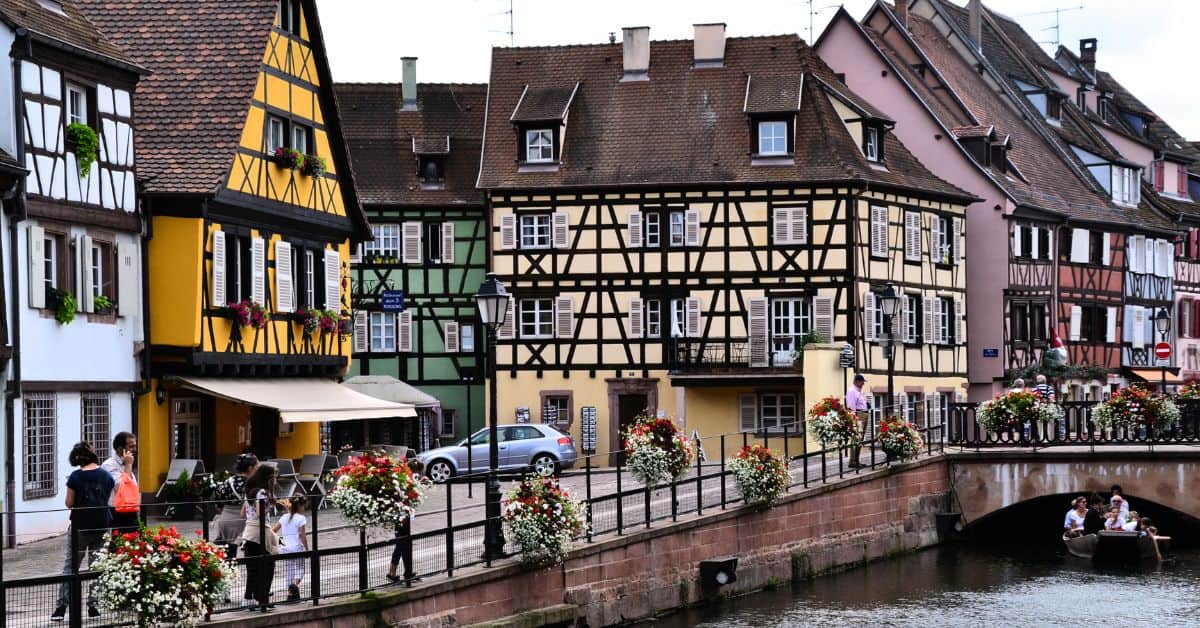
(72, 235)
(416, 153)
(677, 219)
(245, 245)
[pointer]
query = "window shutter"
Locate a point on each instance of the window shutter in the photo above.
(1033, 243)
(1181, 184)
(782, 220)
(905, 333)
(959, 253)
(635, 229)
(692, 227)
(1110, 325)
(636, 312)
(879, 231)
(404, 331)
(507, 329)
(564, 317)
(258, 262)
(757, 326)
(938, 312)
(800, 225)
(691, 308)
(869, 324)
(912, 236)
(218, 270)
(748, 412)
(508, 232)
(410, 244)
(1134, 253)
(37, 267)
(447, 243)
(1016, 239)
(1166, 264)
(930, 305)
(451, 337)
(285, 294)
(129, 287)
(933, 412)
(1138, 335)
(1196, 318)
(87, 296)
(333, 283)
(898, 320)
(1050, 252)
(1106, 250)
(362, 339)
(1079, 246)
(1148, 255)
(1159, 175)
(1076, 322)
(561, 229)
(823, 317)
(960, 336)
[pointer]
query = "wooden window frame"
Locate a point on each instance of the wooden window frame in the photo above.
(536, 228)
(543, 309)
(381, 321)
(537, 133)
(545, 395)
(760, 399)
(764, 123)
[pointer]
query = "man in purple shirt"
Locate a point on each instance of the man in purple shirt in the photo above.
(856, 402)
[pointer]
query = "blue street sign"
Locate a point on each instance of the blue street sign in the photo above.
(392, 300)
(991, 353)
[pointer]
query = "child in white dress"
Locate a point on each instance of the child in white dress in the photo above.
(293, 538)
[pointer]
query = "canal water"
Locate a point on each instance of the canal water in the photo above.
(973, 586)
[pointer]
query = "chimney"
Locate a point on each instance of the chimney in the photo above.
(709, 45)
(1087, 54)
(975, 14)
(636, 53)
(902, 12)
(408, 88)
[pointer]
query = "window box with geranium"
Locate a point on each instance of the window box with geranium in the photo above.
(377, 491)
(1188, 392)
(314, 166)
(657, 452)
(288, 158)
(542, 518)
(162, 577)
(833, 423)
(761, 476)
(899, 439)
(309, 319)
(1137, 409)
(247, 313)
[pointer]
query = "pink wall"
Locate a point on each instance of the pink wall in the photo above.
(847, 51)
(1131, 150)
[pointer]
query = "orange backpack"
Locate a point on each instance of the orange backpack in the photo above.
(127, 498)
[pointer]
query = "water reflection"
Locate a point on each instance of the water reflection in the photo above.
(967, 586)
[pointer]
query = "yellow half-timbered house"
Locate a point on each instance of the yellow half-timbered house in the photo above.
(677, 220)
(253, 214)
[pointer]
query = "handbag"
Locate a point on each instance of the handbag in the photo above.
(269, 536)
(127, 498)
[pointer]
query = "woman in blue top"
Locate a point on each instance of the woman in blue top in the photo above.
(88, 490)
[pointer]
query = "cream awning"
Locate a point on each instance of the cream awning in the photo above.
(300, 400)
(389, 388)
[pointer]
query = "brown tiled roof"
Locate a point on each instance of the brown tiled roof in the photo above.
(431, 145)
(380, 135)
(71, 27)
(936, 95)
(684, 125)
(977, 130)
(539, 104)
(9, 165)
(842, 92)
(773, 94)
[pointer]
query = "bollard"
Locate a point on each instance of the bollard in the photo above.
(362, 559)
(315, 559)
(450, 526)
(722, 472)
(620, 499)
(587, 474)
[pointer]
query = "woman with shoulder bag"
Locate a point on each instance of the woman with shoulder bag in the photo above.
(259, 541)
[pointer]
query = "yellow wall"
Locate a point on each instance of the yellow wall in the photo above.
(306, 439)
(154, 448)
(175, 281)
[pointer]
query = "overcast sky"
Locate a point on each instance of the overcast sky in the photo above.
(1147, 45)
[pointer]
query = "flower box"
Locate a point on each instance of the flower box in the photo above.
(657, 452)
(288, 158)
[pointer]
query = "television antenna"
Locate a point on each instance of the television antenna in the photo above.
(1057, 28)
(511, 32)
(813, 11)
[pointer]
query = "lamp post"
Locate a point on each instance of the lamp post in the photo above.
(890, 302)
(492, 300)
(1162, 322)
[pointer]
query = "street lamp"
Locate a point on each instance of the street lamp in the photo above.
(492, 300)
(1162, 322)
(889, 301)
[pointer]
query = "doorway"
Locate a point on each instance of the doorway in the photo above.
(629, 408)
(264, 431)
(627, 398)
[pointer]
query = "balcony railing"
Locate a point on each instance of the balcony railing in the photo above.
(698, 355)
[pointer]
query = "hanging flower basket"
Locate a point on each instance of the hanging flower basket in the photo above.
(657, 452)
(314, 166)
(1137, 408)
(543, 519)
(328, 322)
(162, 577)
(899, 439)
(289, 158)
(1015, 409)
(834, 423)
(346, 323)
(377, 491)
(247, 313)
(82, 140)
(1188, 392)
(309, 319)
(761, 476)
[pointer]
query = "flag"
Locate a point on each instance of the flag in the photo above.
(1057, 355)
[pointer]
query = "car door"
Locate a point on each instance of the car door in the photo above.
(479, 453)
(522, 441)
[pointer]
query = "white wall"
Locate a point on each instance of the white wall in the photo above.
(8, 140)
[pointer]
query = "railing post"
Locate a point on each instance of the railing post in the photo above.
(620, 499)
(587, 475)
(722, 472)
(3, 591)
(261, 506)
(362, 559)
(646, 499)
(674, 501)
(787, 459)
(804, 455)
(699, 478)
(449, 528)
(314, 586)
(74, 585)
(204, 519)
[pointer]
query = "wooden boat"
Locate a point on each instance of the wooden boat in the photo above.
(1114, 546)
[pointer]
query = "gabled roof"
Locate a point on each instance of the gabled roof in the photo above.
(542, 104)
(385, 139)
(685, 125)
(773, 94)
(71, 29)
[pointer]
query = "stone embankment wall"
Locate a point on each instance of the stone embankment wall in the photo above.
(648, 572)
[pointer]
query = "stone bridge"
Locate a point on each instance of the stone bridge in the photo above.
(987, 481)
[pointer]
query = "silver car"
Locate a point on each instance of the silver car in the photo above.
(540, 448)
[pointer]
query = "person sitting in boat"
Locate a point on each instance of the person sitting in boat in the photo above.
(1131, 525)
(1114, 521)
(1073, 525)
(1093, 521)
(1118, 499)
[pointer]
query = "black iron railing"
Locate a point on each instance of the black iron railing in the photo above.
(702, 355)
(1075, 428)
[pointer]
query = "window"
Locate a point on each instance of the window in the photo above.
(677, 229)
(289, 16)
(1096, 246)
(556, 410)
(449, 422)
(77, 105)
(791, 318)
(775, 411)
(946, 320)
(678, 318)
(537, 318)
(539, 145)
(1053, 107)
(467, 331)
(772, 138)
(943, 249)
(912, 408)
(653, 230)
(386, 244)
(56, 264)
(1103, 104)
(1037, 322)
(309, 284)
(276, 134)
(535, 231)
(41, 416)
(1183, 321)
(1020, 322)
(1093, 323)
(103, 269)
(383, 331)
(871, 143)
(432, 170)
(185, 428)
(300, 138)
(433, 242)
(94, 422)
(653, 318)
(876, 314)
(912, 318)
(1125, 185)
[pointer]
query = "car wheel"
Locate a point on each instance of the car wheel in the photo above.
(439, 471)
(545, 465)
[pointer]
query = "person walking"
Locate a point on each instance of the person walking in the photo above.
(856, 402)
(1044, 391)
(293, 539)
(403, 550)
(259, 541)
(126, 499)
(88, 490)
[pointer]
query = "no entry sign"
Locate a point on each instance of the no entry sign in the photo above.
(1162, 351)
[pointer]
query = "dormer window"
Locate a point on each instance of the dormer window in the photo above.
(431, 169)
(1103, 103)
(871, 144)
(539, 145)
(772, 138)
(1054, 108)
(1126, 188)
(540, 119)
(289, 16)
(432, 152)
(1137, 123)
